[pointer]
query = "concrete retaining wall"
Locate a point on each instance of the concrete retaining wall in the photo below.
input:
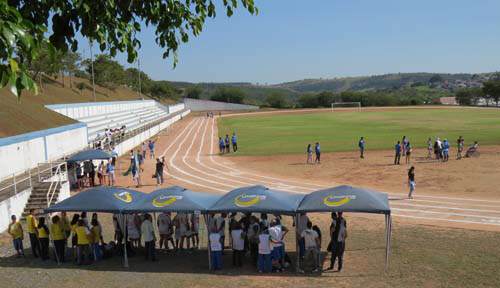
(22, 152)
(207, 105)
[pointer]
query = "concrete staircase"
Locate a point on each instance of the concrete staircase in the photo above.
(38, 199)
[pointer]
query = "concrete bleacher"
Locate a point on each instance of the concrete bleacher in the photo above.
(113, 115)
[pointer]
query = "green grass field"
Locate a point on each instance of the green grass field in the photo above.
(290, 133)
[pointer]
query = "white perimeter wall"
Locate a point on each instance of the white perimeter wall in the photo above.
(13, 206)
(207, 105)
(22, 152)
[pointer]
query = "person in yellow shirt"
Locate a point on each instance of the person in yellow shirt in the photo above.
(16, 231)
(32, 232)
(96, 239)
(57, 235)
(83, 241)
(43, 238)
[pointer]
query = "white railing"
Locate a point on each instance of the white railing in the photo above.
(55, 185)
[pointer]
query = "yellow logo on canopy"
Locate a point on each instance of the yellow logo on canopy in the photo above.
(336, 201)
(165, 200)
(123, 196)
(248, 200)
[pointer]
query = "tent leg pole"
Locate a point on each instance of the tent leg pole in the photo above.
(125, 258)
(297, 245)
(387, 241)
(207, 219)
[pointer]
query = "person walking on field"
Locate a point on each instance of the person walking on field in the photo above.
(446, 150)
(339, 237)
(429, 148)
(460, 147)
(317, 149)
(234, 141)
(309, 152)
(160, 165)
(411, 181)
(16, 231)
(227, 145)
(361, 145)
(397, 155)
(408, 153)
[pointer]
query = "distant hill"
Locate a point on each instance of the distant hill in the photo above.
(30, 114)
(377, 82)
(438, 85)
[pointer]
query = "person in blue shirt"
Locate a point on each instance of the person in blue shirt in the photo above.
(151, 146)
(446, 150)
(221, 145)
(361, 145)
(317, 149)
(235, 142)
(397, 156)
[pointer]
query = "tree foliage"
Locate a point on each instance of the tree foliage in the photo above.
(113, 25)
(468, 96)
(491, 90)
(228, 94)
(193, 92)
(277, 100)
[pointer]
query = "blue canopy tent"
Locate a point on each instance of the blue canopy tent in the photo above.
(350, 199)
(100, 199)
(92, 154)
(174, 199)
(258, 199)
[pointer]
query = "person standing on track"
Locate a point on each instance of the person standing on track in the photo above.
(309, 153)
(429, 148)
(317, 149)
(361, 145)
(460, 147)
(234, 141)
(411, 181)
(221, 145)
(446, 150)
(397, 153)
(160, 165)
(408, 152)
(151, 146)
(404, 142)
(339, 236)
(227, 145)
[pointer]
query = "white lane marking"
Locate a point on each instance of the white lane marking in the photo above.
(182, 179)
(445, 207)
(253, 174)
(441, 219)
(447, 202)
(448, 198)
(234, 174)
(445, 213)
(193, 137)
(172, 164)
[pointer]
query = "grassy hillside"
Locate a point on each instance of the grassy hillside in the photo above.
(30, 114)
(377, 82)
(340, 131)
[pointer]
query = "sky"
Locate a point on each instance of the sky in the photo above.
(296, 39)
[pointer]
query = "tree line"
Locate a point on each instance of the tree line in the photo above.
(490, 92)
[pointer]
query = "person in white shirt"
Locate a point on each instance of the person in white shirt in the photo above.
(264, 262)
(277, 233)
(238, 237)
(215, 250)
(181, 230)
(301, 226)
(165, 230)
(148, 236)
(311, 244)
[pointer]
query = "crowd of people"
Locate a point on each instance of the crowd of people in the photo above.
(259, 241)
(225, 144)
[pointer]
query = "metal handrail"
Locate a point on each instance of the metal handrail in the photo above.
(54, 185)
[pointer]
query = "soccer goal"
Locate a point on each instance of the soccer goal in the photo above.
(355, 105)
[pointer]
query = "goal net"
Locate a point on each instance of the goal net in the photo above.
(352, 105)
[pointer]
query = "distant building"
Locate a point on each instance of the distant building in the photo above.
(448, 101)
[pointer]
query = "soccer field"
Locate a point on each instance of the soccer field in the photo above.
(269, 134)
